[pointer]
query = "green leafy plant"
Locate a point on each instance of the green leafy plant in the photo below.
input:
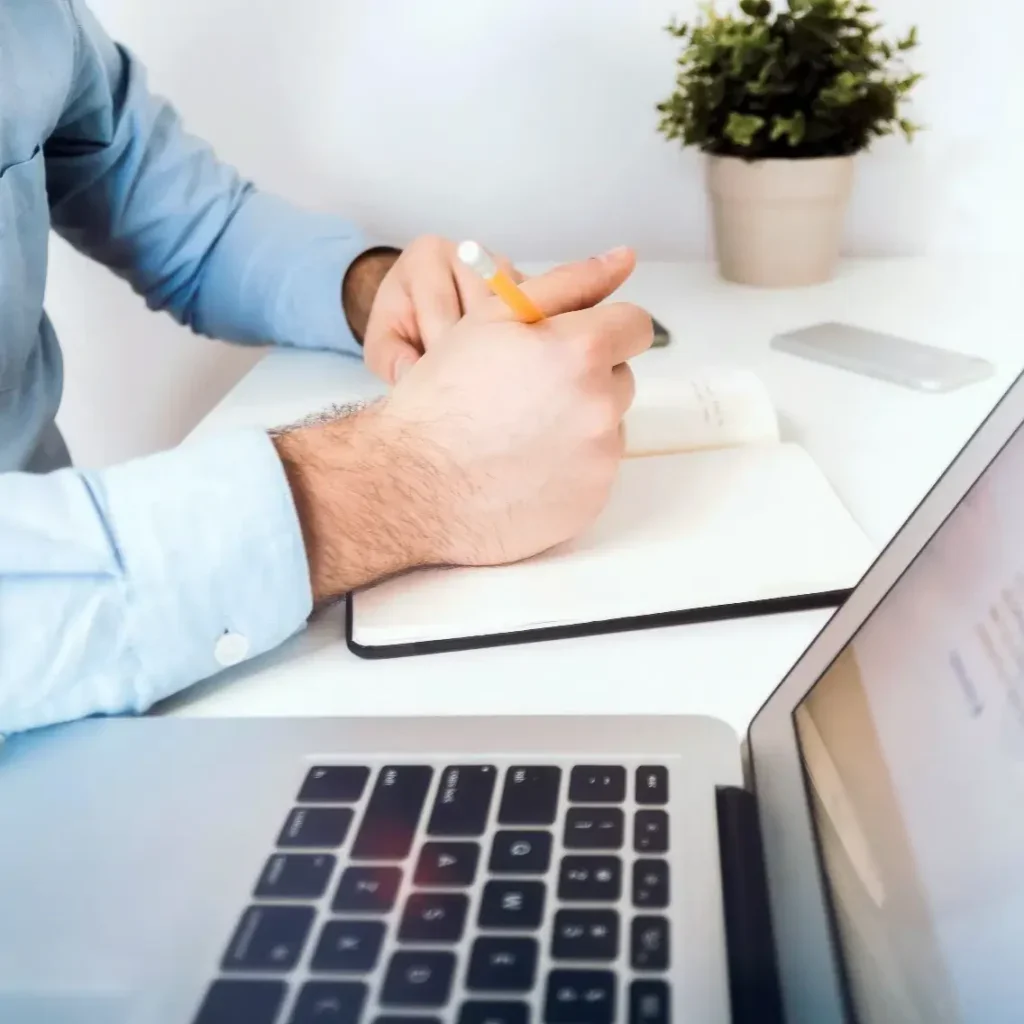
(812, 79)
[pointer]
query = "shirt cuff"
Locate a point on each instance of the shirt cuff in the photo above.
(275, 275)
(212, 556)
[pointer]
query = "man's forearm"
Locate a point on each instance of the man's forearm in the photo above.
(367, 500)
(116, 587)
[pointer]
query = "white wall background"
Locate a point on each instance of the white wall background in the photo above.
(529, 125)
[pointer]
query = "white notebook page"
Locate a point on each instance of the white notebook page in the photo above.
(716, 407)
(681, 532)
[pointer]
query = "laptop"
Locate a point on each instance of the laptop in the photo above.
(858, 857)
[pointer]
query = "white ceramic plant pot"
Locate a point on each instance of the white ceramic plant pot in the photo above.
(778, 223)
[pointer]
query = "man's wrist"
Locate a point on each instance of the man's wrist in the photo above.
(366, 501)
(359, 288)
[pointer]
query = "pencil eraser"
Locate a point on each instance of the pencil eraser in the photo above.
(477, 258)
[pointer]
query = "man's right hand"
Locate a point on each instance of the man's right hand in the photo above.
(501, 442)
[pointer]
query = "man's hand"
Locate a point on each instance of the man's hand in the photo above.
(499, 443)
(399, 305)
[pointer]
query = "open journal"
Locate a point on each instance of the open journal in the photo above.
(712, 516)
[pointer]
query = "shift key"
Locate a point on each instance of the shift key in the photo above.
(392, 813)
(463, 800)
(530, 796)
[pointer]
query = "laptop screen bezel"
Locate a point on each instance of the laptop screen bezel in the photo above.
(806, 945)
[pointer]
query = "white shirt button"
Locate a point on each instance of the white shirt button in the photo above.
(230, 649)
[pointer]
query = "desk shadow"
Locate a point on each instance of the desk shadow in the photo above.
(789, 430)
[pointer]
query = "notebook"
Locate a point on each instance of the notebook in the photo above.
(712, 516)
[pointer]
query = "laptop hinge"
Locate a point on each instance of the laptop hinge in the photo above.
(750, 946)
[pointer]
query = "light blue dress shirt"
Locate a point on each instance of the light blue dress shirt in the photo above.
(120, 587)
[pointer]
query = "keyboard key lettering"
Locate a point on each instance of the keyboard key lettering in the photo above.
(520, 853)
(367, 890)
(268, 938)
(512, 905)
(393, 813)
(530, 796)
(597, 784)
(316, 827)
(334, 784)
(463, 800)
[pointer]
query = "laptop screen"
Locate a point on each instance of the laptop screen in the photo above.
(913, 752)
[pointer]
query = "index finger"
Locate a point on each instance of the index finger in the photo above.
(435, 297)
(616, 331)
(574, 286)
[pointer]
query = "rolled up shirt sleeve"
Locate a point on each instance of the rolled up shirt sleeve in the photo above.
(132, 189)
(123, 586)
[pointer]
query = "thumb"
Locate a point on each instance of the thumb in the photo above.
(581, 285)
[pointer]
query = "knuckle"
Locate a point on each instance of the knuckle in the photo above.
(430, 243)
(591, 349)
(601, 418)
(574, 356)
(572, 292)
(633, 320)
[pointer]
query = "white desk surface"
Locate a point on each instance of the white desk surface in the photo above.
(881, 446)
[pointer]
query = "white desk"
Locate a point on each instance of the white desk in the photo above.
(881, 446)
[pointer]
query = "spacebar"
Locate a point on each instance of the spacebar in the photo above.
(393, 813)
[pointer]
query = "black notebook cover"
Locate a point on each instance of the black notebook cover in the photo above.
(774, 606)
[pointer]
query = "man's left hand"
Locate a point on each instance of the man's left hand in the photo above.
(398, 305)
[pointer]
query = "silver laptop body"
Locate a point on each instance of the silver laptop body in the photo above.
(858, 858)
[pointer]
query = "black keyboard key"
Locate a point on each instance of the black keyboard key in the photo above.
(228, 1002)
(505, 1012)
(520, 853)
(650, 832)
(463, 802)
(392, 813)
(296, 876)
(650, 884)
(585, 935)
(649, 1003)
(433, 917)
(329, 1002)
(590, 879)
(504, 964)
(334, 784)
(580, 997)
(418, 979)
(652, 784)
(530, 796)
(367, 890)
(268, 939)
(649, 942)
(597, 784)
(348, 946)
(316, 827)
(394, 1018)
(447, 864)
(593, 828)
(512, 905)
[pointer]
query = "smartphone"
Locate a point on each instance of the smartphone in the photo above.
(661, 335)
(884, 356)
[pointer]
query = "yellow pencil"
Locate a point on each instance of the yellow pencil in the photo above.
(477, 258)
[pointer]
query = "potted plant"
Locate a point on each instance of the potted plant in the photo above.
(781, 99)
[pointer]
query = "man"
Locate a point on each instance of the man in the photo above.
(118, 588)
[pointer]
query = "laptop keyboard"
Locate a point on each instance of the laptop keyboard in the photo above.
(469, 894)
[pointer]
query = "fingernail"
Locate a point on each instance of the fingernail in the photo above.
(614, 254)
(402, 367)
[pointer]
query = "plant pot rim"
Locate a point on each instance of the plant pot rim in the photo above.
(724, 157)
